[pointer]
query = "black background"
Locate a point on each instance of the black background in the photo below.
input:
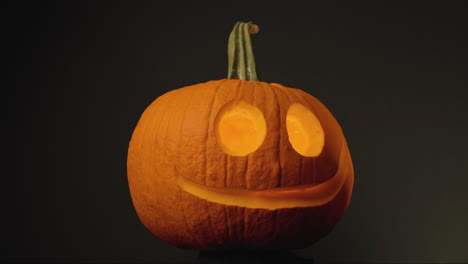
(394, 76)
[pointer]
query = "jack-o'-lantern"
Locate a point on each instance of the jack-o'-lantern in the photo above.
(238, 162)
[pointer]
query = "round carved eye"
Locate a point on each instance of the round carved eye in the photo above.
(304, 131)
(240, 128)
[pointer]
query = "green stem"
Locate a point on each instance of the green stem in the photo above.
(241, 59)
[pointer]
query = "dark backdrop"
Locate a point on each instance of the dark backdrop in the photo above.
(394, 76)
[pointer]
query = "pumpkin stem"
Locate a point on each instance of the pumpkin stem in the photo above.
(240, 53)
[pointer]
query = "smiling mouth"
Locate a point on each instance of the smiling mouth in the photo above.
(276, 198)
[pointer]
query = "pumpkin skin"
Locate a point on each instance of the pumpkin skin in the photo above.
(175, 139)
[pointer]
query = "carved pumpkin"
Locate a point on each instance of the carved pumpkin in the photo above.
(238, 162)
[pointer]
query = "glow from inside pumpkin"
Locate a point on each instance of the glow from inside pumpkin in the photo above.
(240, 129)
(305, 131)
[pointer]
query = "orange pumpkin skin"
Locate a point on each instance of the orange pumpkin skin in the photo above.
(175, 138)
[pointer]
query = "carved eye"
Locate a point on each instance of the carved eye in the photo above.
(240, 128)
(304, 131)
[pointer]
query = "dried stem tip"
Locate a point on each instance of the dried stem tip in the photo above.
(253, 29)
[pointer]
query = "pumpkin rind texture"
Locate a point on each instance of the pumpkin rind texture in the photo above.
(176, 138)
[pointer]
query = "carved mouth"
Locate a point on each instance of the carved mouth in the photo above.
(271, 199)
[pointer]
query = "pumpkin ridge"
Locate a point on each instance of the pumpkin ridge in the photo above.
(287, 91)
(209, 127)
(280, 137)
(161, 116)
(229, 157)
(272, 142)
(246, 220)
(189, 228)
(245, 168)
(248, 174)
(228, 223)
(188, 106)
(213, 230)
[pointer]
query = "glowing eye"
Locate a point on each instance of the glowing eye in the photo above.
(240, 129)
(305, 131)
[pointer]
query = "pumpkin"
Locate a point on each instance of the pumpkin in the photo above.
(239, 163)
